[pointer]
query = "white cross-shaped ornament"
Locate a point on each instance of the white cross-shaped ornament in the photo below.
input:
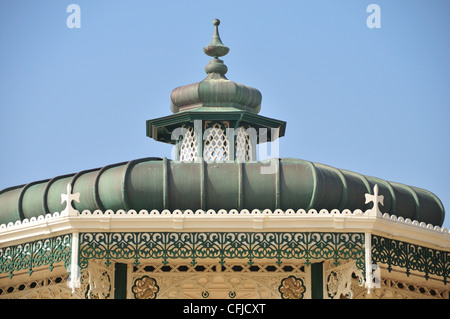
(376, 199)
(68, 198)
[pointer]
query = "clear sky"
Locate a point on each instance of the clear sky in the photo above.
(370, 100)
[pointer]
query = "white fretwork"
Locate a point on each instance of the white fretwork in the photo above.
(216, 147)
(233, 280)
(339, 279)
(188, 148)
(243, 146)
(95, 283)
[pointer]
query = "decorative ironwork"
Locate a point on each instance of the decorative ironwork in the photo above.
(250, 246)
(44, 252)
(411, 257)
(145, 288)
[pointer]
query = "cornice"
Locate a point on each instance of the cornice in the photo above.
(226, 221)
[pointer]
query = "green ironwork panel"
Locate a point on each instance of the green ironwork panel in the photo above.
(411, 257)
(44, 252)
(251, 246)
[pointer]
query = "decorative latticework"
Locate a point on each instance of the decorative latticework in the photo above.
(216, 147)
(339, 280)
(232, 266)
(244, 147)
(50, 287)
(216, 144)
(252, 246)
(411, 257)
(96, 283)
(398, 289)
(210, 280)
(189, 149)
(43, 252)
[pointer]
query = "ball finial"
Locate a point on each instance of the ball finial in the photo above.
(216, 22)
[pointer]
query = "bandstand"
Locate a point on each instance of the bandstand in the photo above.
(216, 223)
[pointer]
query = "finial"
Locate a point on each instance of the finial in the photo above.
(69, 198)
(376, 199)
(216, 48)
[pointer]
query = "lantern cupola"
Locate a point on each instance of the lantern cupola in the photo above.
(215, 119)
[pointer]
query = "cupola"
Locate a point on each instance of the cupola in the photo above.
(215, 119)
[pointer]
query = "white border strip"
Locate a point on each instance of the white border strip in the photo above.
(226, 221)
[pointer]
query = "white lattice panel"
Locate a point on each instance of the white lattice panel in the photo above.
(188, 148)
(216, 147)
(243, 145)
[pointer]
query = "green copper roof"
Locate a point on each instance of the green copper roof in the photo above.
(156, 183)
(216, 90)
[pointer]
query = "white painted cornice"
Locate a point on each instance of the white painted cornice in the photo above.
(226, 221)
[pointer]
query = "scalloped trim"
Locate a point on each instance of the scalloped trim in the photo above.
(222, 212)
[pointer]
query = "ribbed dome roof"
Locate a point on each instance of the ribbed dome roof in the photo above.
(156, 183)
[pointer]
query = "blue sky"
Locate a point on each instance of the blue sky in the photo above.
(372, 101)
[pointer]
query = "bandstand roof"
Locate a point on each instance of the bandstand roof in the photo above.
(159, 183)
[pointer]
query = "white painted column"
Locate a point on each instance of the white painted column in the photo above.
(74, 281)
(368, 260)
(373, 274)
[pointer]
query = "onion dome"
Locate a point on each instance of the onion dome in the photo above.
(215, 90)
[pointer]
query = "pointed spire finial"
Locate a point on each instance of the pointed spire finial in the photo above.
(216, 48)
